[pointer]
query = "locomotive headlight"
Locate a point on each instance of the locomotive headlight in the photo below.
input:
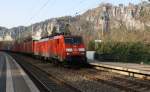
(69, 50)
(81, 49)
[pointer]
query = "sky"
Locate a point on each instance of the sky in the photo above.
(15, 13)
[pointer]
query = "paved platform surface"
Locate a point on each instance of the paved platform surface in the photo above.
(137, 68)
(12, 76)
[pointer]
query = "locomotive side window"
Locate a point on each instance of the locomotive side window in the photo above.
(73, 40)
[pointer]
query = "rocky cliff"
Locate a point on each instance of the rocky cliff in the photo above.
(125, 23)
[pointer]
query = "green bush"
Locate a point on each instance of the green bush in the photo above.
(91, 46)
(126, 52)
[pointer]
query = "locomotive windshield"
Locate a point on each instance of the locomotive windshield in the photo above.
(73, 40)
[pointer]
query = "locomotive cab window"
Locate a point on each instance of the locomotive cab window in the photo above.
(73, 40)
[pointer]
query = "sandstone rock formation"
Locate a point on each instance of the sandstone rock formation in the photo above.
(123, 19)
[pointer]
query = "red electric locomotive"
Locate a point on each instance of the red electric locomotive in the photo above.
(66, 49)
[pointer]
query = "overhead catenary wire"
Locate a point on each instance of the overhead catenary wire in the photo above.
(51, 5)
(74, 7)
(36, 14)
(79, 11)
(39, 10)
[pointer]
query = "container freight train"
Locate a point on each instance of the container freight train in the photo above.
(68, 50)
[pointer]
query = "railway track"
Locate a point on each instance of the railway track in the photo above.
(125, 83)
(122, 82)
(48, 82)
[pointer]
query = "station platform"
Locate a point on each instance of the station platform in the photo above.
(12, 76)
(131, 69)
